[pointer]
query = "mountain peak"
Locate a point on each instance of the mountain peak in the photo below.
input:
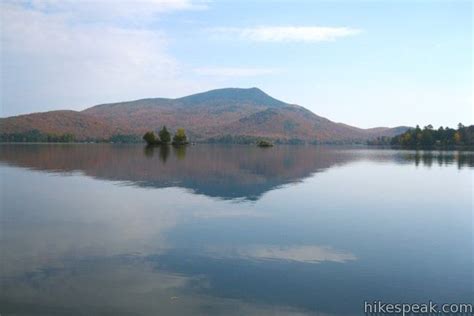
(232, 95)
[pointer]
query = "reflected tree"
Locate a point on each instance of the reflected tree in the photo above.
(165, 136)
(180, 152)
(149, 151)
(164, 153)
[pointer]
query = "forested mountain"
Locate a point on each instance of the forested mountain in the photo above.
(229, 115)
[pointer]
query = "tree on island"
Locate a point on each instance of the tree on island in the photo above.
(165, 136)
(180, 137)
(150, 138)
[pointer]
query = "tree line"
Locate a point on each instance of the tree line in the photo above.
(37, 137)
(428, 137)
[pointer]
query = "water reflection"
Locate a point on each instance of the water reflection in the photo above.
(305, 254)
(120, 286)
(461, 159)
(219, 171)
(353, 225)
(227, 172)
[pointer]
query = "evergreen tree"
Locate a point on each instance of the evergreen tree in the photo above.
(165, 136)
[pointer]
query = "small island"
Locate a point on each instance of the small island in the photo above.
(164, 137)
(264, 143)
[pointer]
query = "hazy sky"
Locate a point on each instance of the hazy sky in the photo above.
(365, 63)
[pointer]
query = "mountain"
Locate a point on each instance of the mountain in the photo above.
(215, 114)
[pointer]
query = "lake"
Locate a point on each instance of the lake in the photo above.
(103, 229)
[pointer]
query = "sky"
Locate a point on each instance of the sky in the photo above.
(364, 63)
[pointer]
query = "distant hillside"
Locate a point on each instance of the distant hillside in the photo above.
(215, 114)
(82, 126)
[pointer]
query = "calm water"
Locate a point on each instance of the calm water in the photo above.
(231, 230)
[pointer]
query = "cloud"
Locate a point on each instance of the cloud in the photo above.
(105, 10)
(287, 33)
(234, 71)
(49, 60)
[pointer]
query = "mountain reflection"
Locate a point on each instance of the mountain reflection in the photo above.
(225, 172)
(218, 171)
